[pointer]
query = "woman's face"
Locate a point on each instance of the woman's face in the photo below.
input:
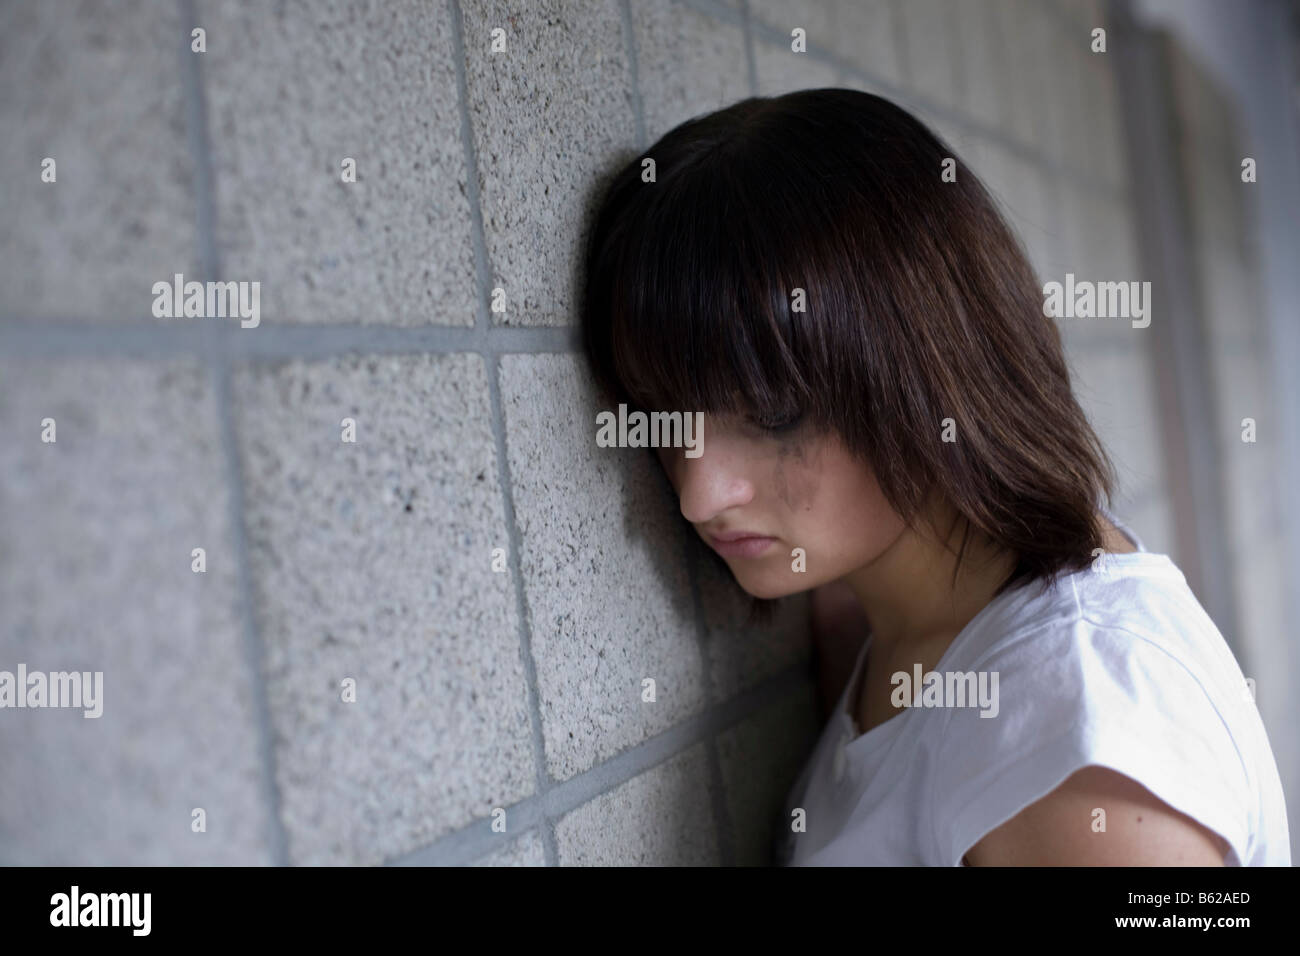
(756, 495)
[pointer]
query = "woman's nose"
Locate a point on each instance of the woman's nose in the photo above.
(712, 483)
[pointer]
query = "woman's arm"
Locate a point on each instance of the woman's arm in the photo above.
(1141, 829)
(839, 628)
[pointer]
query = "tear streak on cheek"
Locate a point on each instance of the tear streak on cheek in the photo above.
(796, 478)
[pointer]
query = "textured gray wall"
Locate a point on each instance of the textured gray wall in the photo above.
(328, 560)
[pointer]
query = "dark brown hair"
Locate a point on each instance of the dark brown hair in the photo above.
(921, 305)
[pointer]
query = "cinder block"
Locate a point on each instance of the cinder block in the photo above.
(1203, 108)
(1031, 218)
(373, 561)
(552, 117)
(1016, 39)
(1047, 49)
(1271, 662)
(1107, 155)
(1100, 239)
(956, 135)
(1085, 14)
(96, 534)
(1249, 472)
(933, 50)
(1215, 195)
(861, 33)
(1071, 103)
(977, 153)
(781, 70)
(525, 851)
(985, 76)
(1117, 391)
(743, 652)
(687, 64)
(1050, 257)
(96, 88)
(1064, 209)
(1112, 236)
(1020, 190)
(294, 89)
(1243, 388)
(761, 757)
(1241, 384)
(1230, 296)
(663, 817)
(1038, 229)
(1153, 523)
(603, 558)
(1260, 583)
(1101, 246)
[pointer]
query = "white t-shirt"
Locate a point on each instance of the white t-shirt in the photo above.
(1116, 665)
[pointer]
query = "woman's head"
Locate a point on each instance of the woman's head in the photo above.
(865, 338)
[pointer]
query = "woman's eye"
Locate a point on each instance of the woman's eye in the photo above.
(776, 426)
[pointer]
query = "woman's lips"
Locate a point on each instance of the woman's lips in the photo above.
(739, 544)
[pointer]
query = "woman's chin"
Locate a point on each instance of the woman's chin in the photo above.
(769, 587)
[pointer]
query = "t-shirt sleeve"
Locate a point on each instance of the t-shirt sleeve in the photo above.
(1081, 695)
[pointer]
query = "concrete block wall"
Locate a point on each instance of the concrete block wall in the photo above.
(482, 695)
(1212, 147)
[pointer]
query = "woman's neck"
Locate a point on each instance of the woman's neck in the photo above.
(909, 593)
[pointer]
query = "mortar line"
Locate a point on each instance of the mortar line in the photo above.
(166, 338)
(475, 840)
(482, 279)
(219, 371)
(543, 781)
(491, 365)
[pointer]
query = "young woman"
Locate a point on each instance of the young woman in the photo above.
(889, 421)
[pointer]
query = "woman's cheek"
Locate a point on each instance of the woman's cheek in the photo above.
(797, 474)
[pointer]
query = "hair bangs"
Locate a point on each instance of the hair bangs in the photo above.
(704, 322)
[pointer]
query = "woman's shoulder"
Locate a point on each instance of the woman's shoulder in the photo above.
(1124, 644)
(1115, 666)
(1122, 603)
